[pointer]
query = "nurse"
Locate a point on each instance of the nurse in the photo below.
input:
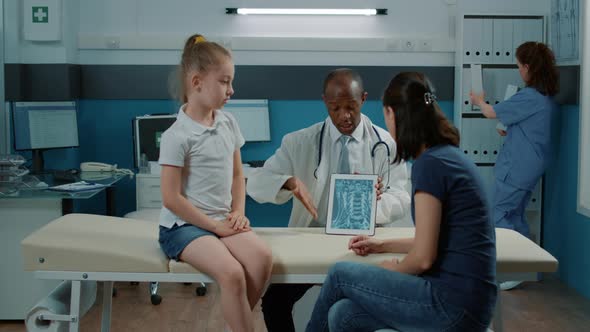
(345, 142)
(527, 148)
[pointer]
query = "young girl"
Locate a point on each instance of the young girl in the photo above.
(202, 221)
(447, 280)
(527, 147)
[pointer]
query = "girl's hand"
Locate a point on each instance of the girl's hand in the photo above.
(363, 245)
(238, 221)
(390, 264)
(501, 132)
(226, 228)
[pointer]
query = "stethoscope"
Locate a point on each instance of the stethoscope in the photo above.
(373, 153)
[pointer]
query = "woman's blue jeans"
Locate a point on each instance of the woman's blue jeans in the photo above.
(360, 297)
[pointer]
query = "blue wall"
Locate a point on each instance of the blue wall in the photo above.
(106, 136)
(105, 129)
(566, 234)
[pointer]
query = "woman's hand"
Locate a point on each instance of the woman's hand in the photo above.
(363, 245)
(501, 132)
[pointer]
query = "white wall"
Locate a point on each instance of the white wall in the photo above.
(153, 31)
(17, 50)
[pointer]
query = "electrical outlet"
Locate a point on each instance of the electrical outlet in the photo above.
(113, 42)
(408, 45)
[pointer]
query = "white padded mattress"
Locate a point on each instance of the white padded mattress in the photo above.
(92, 243)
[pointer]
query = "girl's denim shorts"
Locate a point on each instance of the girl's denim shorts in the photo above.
(174, 240)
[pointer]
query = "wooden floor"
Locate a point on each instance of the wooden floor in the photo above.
(537, 306)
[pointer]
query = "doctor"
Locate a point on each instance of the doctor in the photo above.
(346, 142)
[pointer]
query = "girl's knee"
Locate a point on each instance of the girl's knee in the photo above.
(265, 255)
(232, 277)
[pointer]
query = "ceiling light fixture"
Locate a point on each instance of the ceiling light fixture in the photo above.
(305, 11)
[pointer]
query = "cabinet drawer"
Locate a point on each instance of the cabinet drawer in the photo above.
(148, 192)
(151, 199)
(148, 184)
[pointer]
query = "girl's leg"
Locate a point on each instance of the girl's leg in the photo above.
(221, 265)
(394, 299)
(256, 258)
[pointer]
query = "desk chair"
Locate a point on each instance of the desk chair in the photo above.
(154, 215)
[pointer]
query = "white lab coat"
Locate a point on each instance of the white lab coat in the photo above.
(298, 156)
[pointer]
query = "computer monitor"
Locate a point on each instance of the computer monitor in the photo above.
(147, 131)
(40, 126)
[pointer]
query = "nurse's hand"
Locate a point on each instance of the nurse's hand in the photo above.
(299, 190)
(477, 99)
(363, 245)
(501, 132)
(238, 221)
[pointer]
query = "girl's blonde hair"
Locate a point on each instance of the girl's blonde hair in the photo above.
(198, 55)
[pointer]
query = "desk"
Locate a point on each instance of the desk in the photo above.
(23, 212)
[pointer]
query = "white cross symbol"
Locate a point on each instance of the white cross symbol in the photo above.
(40, 15)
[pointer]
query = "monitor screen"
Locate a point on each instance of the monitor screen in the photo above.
(45, 125)
(148, 134)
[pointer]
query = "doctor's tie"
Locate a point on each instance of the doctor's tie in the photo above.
(344, 163)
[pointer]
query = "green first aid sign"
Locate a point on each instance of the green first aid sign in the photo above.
(40, 14)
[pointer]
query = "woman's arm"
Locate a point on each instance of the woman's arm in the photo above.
(423, 252)
(173, 200)
(363, 245)
(486, 109)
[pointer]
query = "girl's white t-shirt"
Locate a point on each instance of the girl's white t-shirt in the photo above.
(206, 157)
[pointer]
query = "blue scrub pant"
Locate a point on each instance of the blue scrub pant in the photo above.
(509, 207)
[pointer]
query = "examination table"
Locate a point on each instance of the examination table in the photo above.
(80, 247)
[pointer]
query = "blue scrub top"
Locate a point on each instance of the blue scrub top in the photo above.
(527, 147)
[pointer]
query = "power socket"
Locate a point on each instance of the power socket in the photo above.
(408, 45)
(112, 42)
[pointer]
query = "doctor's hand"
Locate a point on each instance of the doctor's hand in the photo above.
(300, 191)
(379, 187)
(238, 221)
(363, 245)
(501, 132)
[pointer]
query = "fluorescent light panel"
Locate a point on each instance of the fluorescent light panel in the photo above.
(305, 11)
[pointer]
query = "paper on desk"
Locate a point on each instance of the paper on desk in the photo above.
(77, 186)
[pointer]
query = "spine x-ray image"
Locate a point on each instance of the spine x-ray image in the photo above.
(352, 204)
